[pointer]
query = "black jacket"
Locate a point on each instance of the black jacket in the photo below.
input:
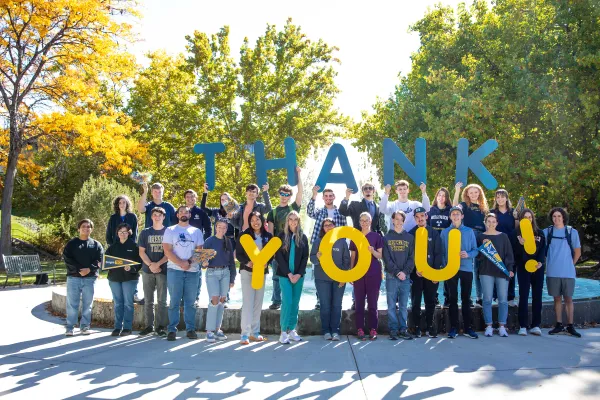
(355, 208)
(434, 246)
(129, 251)
(114, 221)
(520, 255)
(300, 258)
(241, 254)
(79, 254)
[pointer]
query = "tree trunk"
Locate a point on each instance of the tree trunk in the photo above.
(7, 193)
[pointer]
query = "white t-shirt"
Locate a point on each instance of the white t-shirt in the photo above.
(184, 241)
(408, 207)
(330, 212)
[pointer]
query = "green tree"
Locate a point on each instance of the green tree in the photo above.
(522, 72)
(282, 86)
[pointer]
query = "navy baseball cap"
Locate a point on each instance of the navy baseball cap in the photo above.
(456, 208)
(419, 210)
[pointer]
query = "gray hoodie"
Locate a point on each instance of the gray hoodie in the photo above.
(398, 252)
(340, 254)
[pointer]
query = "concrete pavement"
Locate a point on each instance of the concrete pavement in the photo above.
(38, 361)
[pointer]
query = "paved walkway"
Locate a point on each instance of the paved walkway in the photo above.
(38, 361)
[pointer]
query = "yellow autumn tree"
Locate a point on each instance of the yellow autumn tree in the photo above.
(60, 61)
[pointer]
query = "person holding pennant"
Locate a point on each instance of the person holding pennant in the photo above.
(252, 299)
(122, 259)
(496, 266)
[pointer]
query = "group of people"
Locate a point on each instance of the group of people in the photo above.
(164, 252)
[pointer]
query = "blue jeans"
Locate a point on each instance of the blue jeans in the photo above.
(217, 284)
(397, 292)
(487, 285)
(76, 288)
(330, 295)
(122, 293)
(182, 284)
(199, 284)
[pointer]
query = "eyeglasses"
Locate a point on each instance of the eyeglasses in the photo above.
(328, 225)
(124, 232)
(364, 221)
(283, 194)
(368, 188)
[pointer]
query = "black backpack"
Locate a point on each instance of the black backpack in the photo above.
(568, 232)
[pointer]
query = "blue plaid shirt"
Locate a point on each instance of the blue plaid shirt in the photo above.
(319, 214)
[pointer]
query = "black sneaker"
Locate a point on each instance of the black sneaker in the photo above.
(146, 331)
(558, 328)
(125, 332)
(353, 306)
(572, 332)
(393, 335)
(161, 332)
(275, 306)
(437, 303)
(116, 332)
(432, 332)
(446, 303)
(405, 335)
(172, 336)
(479, 303)
(192, 335)
(318, 306)
(417, 332)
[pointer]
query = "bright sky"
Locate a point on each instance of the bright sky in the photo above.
(373, 38)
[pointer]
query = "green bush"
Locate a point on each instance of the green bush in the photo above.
(95, 202)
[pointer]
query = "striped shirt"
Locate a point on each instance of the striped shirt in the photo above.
(319, 214)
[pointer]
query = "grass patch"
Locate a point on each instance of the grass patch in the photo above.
(61, 274)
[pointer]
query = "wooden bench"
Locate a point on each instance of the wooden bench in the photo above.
(24, 266)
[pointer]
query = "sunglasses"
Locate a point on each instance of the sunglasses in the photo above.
(368, 188)
(283, 194)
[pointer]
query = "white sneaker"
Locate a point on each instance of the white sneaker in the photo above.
(283, 338)
(513, 303)
(523, 331)
(85, 331)
(136, 299)
(327, 336)
(335, 337)
(293, 335)
(489, 331)
(502, 331)
(536, 331)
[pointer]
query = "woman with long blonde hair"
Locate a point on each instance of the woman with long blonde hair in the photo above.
(475, 208)
(291, 258)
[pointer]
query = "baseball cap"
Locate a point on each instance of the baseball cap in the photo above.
(456, 208)
(419, 210)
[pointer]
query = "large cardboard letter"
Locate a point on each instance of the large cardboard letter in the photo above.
(364, 256)
(392, 154)
(527, 235)
(336, 151)
(437, 275)
(464, 162)
(259, 258)
(209, 150)
(288, 162)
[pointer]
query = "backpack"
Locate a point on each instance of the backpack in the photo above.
(41, 279)
(568, 232)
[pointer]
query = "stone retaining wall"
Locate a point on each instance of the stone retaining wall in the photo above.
(309, 321)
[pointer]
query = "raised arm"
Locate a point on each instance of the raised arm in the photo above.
(456, 199)
(425, 199)
(300, 188)
(141, 205)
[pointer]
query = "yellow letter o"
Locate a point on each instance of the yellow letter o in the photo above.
(364, 256)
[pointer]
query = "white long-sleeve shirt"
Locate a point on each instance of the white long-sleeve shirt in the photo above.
(407, 206)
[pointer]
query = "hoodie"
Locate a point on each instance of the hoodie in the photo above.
(468, 243)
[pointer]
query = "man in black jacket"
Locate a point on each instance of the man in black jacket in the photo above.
(367, 204)
(422, 286)
(83, 257)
